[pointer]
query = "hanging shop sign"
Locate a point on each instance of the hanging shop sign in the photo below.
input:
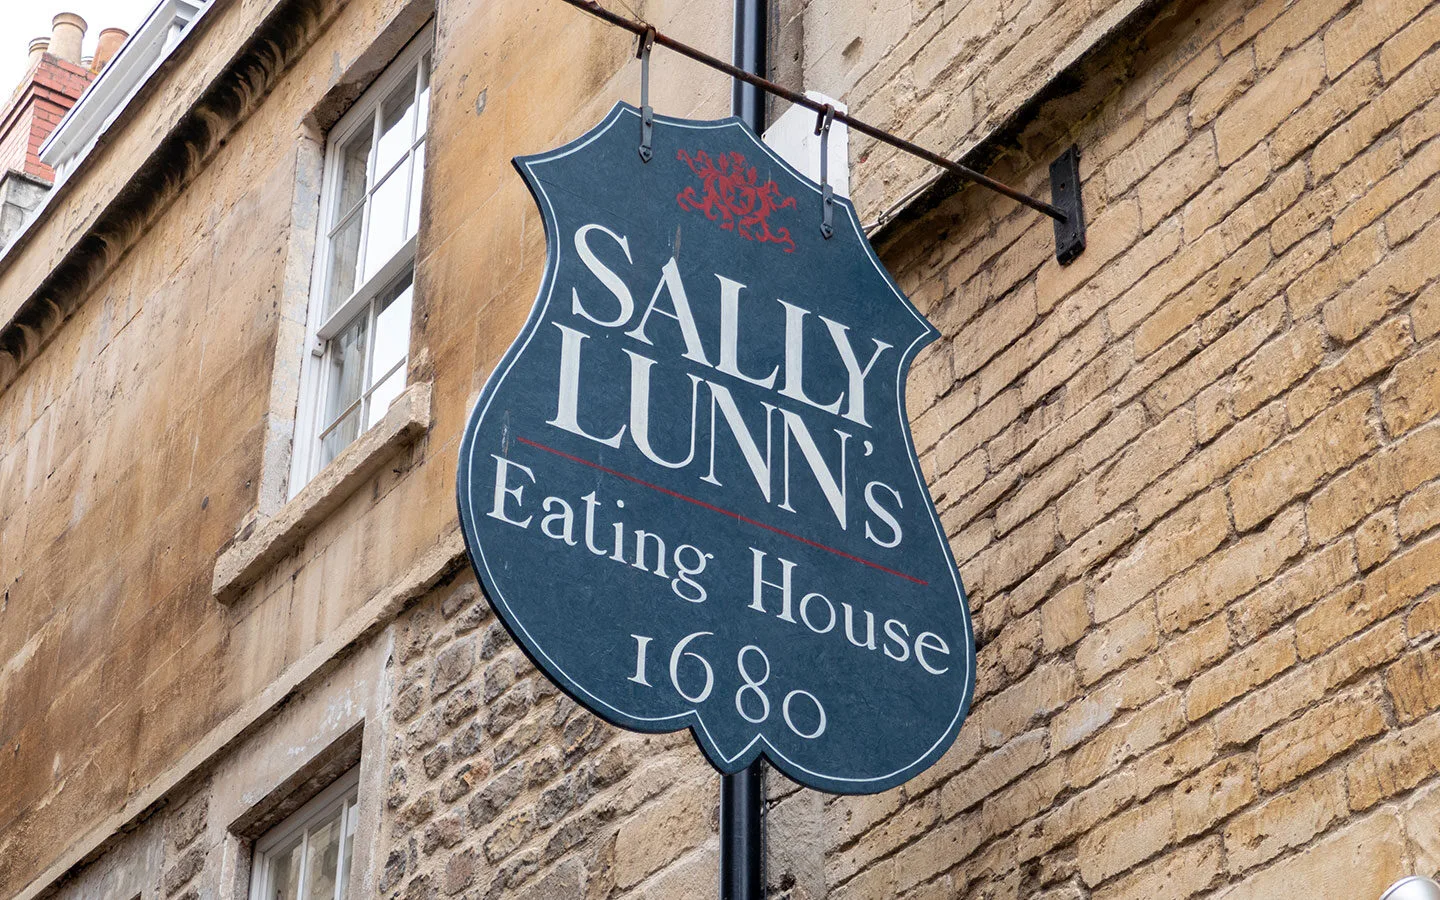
(689, 487)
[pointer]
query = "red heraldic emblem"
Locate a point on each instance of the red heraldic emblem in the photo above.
(735, 197)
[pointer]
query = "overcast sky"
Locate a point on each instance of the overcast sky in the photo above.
(21, 20)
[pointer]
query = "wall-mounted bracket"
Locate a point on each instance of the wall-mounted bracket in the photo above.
(594, 8)
(1065, 194)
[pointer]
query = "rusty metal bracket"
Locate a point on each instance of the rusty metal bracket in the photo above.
(595, 9)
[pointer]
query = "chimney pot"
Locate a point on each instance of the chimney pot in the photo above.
(38, 48)
(108, 45)
(67, 33)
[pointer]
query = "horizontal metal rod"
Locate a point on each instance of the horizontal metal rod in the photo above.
(600, 12)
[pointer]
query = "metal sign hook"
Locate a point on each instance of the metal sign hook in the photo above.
(827, 193)
(647, 115)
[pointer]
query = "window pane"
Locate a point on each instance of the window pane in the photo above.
(385, 392)
(392, 328)
(387, 222)
(354, 162)
(285, 873)
(324, 861)
(347, 850)
(424, 110)
(340, 437)
(397, 125)
(346, 370)
(344, 261)
(416, 178)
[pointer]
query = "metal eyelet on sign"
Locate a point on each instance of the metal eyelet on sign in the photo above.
(647, 115)
(827, 193)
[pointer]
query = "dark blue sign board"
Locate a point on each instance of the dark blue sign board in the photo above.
(689, 488)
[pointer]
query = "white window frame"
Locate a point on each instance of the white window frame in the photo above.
(345, 790)
(306, 446)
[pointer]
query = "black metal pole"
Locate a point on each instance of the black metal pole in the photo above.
(742, 798)
(742, 839)
(752, 36)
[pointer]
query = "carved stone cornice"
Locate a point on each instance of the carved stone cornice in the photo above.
(177, 158)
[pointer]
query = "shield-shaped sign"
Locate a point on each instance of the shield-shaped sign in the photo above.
(689, 488)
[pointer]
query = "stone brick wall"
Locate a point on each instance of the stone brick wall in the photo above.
(498, 785)
(130, 451)
(1190, 479)
(943, 73)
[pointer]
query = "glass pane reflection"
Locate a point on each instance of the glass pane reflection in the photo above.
(344, 262)
(347, 851)
(397, 125)
(285, 872)
(340, 437)
(392, 328)
(346, 370)
(424, 104)
(323, 863)
(385, 392)
(387, 222)
(354, 172)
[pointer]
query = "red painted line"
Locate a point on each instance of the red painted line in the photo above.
(724, 512)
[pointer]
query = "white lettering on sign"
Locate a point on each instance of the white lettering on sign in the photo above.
(775, 589)
(751, 699)
(637, 548)
(773, 592)
(609, 279)
(758, 433)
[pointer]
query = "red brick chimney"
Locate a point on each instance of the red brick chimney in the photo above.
(55, 80)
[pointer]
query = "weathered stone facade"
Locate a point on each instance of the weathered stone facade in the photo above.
(1192, 480)
(1183, 478)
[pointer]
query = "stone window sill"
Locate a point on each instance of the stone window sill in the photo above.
(259, 546)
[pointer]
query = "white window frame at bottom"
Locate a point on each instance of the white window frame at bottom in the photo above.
(343, 791)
